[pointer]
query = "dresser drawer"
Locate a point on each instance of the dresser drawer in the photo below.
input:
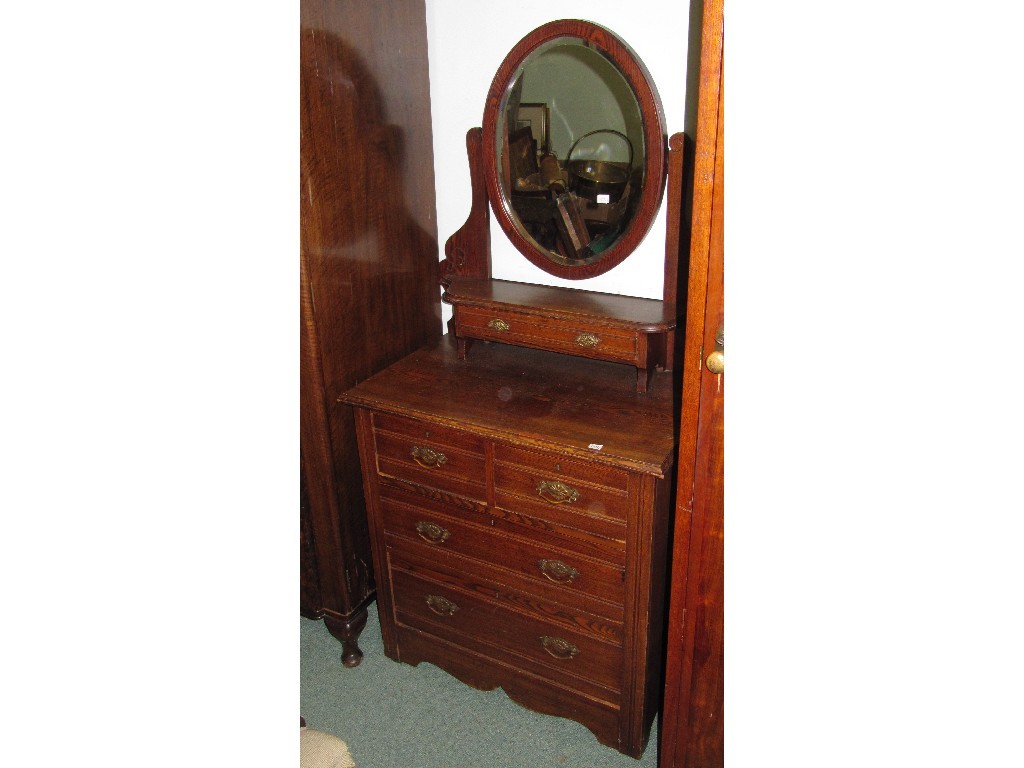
(454, 614)
(569, 572)
(430, 455)
(543, 481)
(592, 537)
(618, 345)
(576, 612)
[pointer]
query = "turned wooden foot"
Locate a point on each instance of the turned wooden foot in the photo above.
(347, 631)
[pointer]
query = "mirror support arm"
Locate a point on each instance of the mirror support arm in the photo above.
(675, 238)
(468, 251)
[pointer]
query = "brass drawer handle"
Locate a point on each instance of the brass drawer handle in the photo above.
(441, 605)
(428, 457)
(557, 571)
(587, 340)
(432, 532)
(559, 648)
(556, 492)
(497, 324)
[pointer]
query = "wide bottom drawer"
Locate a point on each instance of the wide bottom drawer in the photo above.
(524, 640)
(604, 718)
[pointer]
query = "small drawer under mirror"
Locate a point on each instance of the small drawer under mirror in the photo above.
(600, 326)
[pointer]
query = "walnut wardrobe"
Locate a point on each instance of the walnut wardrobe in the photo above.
(367, 272)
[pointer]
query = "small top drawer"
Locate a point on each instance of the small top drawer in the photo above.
(539, 481)
(430, 455)
(619, 345)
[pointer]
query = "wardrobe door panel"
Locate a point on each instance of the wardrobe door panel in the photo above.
(368, 245)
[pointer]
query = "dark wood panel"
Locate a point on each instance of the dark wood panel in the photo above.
(366, 186)
(309, 587)
(368, 258)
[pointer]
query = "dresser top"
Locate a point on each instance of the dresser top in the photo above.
(533, 398)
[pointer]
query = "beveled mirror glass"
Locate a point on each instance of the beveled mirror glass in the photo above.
(574, 148)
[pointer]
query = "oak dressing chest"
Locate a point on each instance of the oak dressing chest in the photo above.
(518, 512)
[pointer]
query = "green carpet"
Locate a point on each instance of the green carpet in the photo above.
(394, 715)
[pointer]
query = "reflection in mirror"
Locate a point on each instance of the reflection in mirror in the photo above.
(571, 150)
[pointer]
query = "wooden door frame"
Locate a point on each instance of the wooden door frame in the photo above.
(692, 728)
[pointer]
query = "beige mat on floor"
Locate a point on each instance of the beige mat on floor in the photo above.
(322, 750)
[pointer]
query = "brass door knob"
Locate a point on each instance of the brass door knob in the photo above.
(716, 362)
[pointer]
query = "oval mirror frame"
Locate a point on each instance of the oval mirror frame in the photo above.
(639, 80)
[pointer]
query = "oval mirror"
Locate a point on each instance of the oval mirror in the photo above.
(574, 148)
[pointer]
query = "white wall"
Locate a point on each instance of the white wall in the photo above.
(467, 41)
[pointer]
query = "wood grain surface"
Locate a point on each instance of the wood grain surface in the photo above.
(531, 396)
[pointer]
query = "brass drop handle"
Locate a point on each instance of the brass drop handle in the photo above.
(442, 606)
(557, 571)
(428, 457)
(587, 340)
(559, 648)
(432, 532)
(556, 492)
(497, 324)
(715, 362)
